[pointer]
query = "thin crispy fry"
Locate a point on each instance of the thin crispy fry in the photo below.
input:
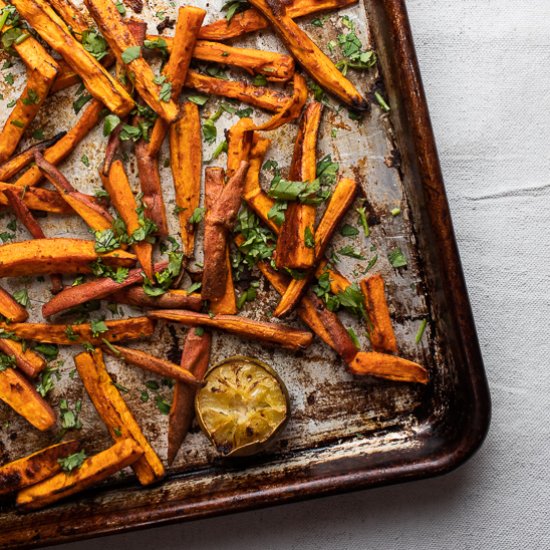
(282, 335)
(134, 328)
(36, 198)
(388, 367)
(340, 201)
(292, 250)
(171, 299)
(53, 30)
(114, 411)
(219, 221)
(120, 39)
(17, 392)
(34, 468)
(93, 470)
(186, 164)
(10, 309)
(27, 360)
(381, 334)
(195, 358)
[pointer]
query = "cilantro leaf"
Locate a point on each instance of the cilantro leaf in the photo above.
(397, 258)
(72, 462)
(22, 297)
(130, 54)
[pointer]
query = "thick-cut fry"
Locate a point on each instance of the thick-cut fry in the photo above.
(283, 335)
(195, 358)
(34, 468)
(10, 309)
(66, 77)
(250, 20)
(53, 30)
(309, 55)
(239, 143)
(150, 363)
(338, 283)
(134, 328)
(36, 198)
(115, 413)
(171, 299)
(74, 296)
(46, 256)
(257, 96)
(293, 251)
(121, 41)
(93, 470)
(71, 15)
(186, 164)
(388, 367)
(381, 334)
(27, 360)
(122, 198)
(17, 392)
(341, 200)
(219, 221)
(58, 152)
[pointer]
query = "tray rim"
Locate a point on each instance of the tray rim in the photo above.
(412, 94)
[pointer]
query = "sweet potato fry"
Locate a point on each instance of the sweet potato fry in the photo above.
(220, 220)
(150, 363)
(283, 335)
(171, 299)
(36, 198)
(59, 151)
(309, 55)
(27, 360)
(93, 470)
(381, 334)
(121, 41)
(134, 328)
(195, 358)
(66, 77)
(250, 20)
(388, 367)
(239, 144)
(96, 78)
(186, 165)
(10, 309)
(292, 250)
(98, 289)
(341, 200)
(70, 14)
(34, 468)
(338, 283)
(17, 392)
(115, 413)
(122, 198)
(257, 96)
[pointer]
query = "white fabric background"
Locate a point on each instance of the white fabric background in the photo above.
(486, 68)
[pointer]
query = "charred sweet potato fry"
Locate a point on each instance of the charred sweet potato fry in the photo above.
(134, 328)
(128, 51)
(17, 392)
(195, 358)
(34, 468)
(171, 299)
(93, 470)
(341, 200)
(10, 309)
(36, 198)
(26, 360)
(381, 335)
(219, 221)
(96, 78)
(317, 64)
(292, 250)
(186, 165)
(273, 333)
(114, 411)
(388, 367)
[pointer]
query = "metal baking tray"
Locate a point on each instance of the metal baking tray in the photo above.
(344, 434)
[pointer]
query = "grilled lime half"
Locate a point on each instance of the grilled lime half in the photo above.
(242, 406)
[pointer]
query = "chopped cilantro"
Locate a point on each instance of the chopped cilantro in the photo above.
(354, 338)
(397, 258)
(49, 351)
(69, 417)
(121, 8)
(363, 220)
(80, 101)
(277, 212)
(162, 405)
(72, 462)
(106, 241)
(198, 99)
(309, 239)
(22, 297)
(85, 160)
(197, 215)
(421, 330)
(32, 98)
(350, 252)
(94, 43)
(98, 327)
(110, 123)
(233, 7)
(349, 231)
(382, 102)
(130, 54)
(260, 80)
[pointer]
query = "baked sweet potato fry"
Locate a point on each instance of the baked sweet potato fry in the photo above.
(17, 392)
(341, 200)
(134, 328)
(34, 468)
(381, 334)
(114, 411)
(36, 198)
(10, 309)
(66, 78)
(128, 52)
(96, 78)
(171, 299)
(93, 470)
(292, 250)
(388, 367)
(239, 144)
(195, 358)
(338, 283)
(26, 360)
(186, 165)
(317, 64)
(71, 15)
(219, 221)
(273, 333)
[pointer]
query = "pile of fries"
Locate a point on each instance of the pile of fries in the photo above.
(130, 96)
